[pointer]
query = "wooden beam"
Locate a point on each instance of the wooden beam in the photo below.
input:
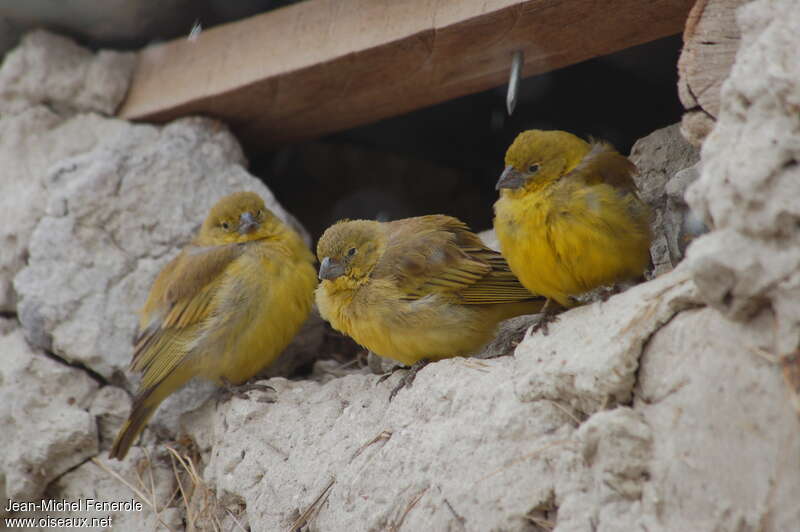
(321, 66)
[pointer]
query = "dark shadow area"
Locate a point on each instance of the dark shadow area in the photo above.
(446, 158)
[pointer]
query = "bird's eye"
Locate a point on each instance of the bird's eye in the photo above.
(532, 169)
(225, 225)
(259, 212)
(351, 252)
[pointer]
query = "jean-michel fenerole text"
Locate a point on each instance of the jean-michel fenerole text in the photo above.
(80, 505)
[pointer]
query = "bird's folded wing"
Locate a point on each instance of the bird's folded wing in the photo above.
(438, 254)
(180, 300)
(500, 285)
(603, 164)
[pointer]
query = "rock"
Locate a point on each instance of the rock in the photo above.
(750, 181)
(278, 467)
(616, 448)
(104, 481)
(47, 69)
(665, 161)
(467, 451)
(471, 442)
(44, 408)
(613, 332)
(696, 125)
(47, 72)
(725, 439)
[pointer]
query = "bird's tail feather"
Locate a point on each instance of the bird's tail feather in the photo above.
(140, 414)
(144, 405)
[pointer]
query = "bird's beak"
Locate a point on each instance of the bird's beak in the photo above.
(510, 178)
(330, 269)
(247, 223)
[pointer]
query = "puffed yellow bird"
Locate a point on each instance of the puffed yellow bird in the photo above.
(569, 218)
(416, 290)
(223, 309)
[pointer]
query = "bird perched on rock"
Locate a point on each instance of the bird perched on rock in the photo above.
(569, 218)
(223, 309)
(417, 289)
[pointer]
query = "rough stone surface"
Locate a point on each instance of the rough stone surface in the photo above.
(150, 475)
(613, 332)
(726, 441)
(664, 158)
(51, 70)
(494, 439)
(750, 182)
(44, 411)
(616, 448)
(505, 444)
(42, 84)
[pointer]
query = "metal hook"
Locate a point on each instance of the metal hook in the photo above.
(513, 81)
(194, 33)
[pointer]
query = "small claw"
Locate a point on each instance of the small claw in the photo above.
(229, 390)
(542, 324)
(549, 315)
(408, 378)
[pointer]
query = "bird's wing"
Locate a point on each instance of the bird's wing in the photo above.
(180, 300)
(603, 164)
(438, 254)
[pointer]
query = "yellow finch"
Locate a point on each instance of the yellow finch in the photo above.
(223, 309)
(569, 218)
(416, 289)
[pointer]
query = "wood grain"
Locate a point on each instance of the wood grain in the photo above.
(710, 42)
(321, 66)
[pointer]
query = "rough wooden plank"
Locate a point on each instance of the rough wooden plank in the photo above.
(325, 65)
(710, 42)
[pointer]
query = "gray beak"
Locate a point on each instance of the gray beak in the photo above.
(247, 223)
(330, 269)
(510, 178)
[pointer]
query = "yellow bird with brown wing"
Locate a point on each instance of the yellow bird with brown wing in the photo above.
(223, 309)
(569, 218)
(417, 289)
